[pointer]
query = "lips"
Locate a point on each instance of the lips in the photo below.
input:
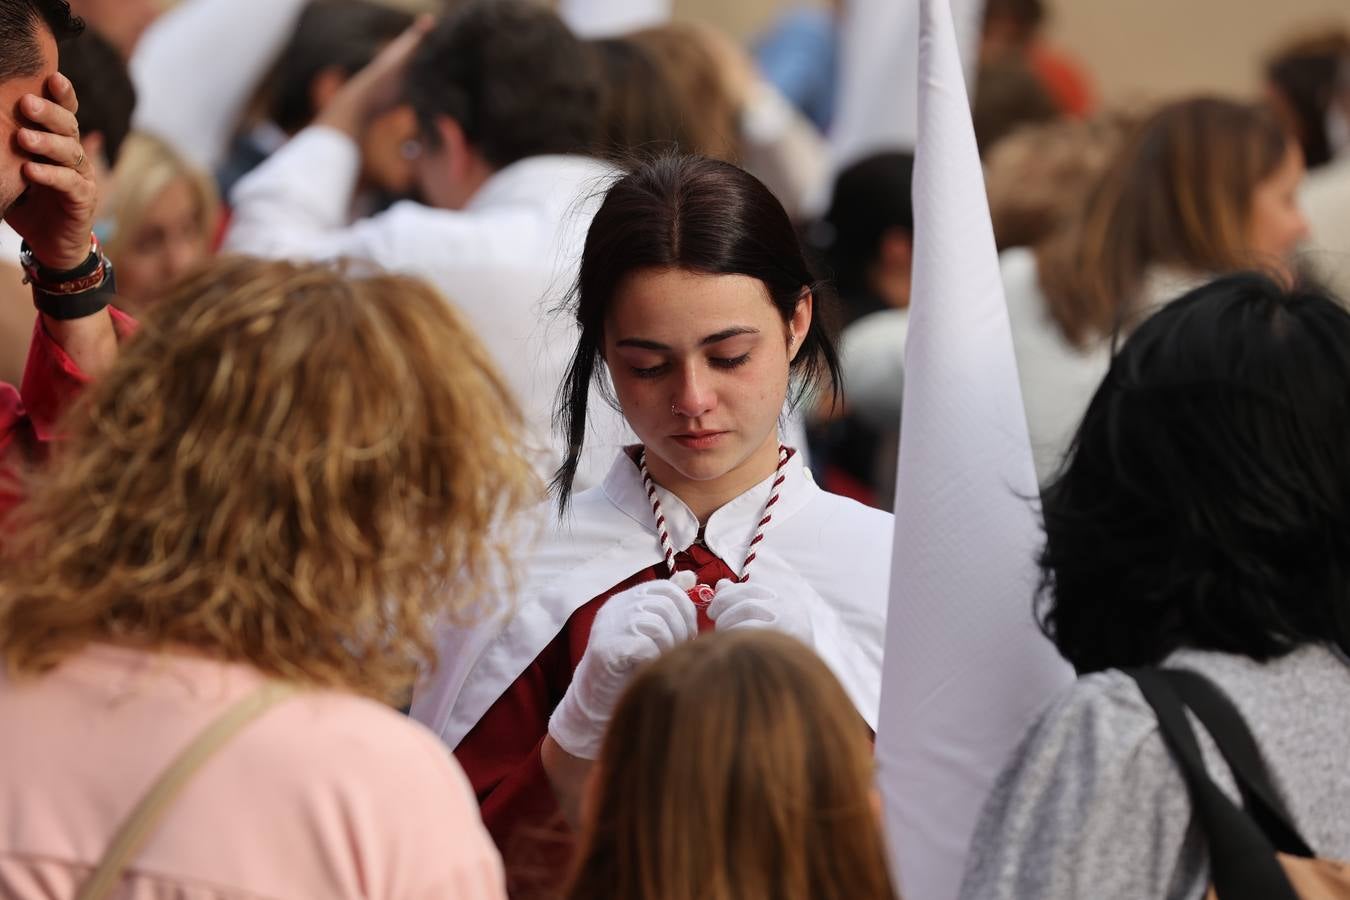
(699, 440)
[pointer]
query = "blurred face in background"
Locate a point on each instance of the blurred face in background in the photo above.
(1276, 225)
(170, 240)
(389, 149)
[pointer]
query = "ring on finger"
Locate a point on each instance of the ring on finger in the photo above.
(79, 163)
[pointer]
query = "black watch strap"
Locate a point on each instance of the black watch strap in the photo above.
(76, 306)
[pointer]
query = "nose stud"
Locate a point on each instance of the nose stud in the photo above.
(675, 409)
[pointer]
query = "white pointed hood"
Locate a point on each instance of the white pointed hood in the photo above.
(966, 669)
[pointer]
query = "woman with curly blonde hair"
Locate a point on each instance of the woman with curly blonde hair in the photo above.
(289, 475)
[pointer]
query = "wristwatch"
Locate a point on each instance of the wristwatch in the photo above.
(70, 293)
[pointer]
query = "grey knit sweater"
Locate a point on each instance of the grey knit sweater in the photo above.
(1091, 805)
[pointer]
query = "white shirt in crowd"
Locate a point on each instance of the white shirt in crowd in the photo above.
(1325, 199)
(1057, 377)
(506, 261)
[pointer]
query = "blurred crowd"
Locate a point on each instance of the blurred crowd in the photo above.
(455, 450)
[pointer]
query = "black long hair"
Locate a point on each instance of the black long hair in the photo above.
(702, 215)
(1206, 501)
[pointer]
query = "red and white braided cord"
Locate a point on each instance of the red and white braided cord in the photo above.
(668, 549)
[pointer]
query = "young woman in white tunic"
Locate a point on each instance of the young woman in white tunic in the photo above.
(696, 305)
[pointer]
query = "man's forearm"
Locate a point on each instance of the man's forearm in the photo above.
(90, 342)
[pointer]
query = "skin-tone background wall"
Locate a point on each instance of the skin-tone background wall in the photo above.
(1135, 49)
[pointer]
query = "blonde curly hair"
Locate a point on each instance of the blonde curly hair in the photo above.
(291, 466)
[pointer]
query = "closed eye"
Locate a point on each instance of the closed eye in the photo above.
(649, 372)
(734, 362)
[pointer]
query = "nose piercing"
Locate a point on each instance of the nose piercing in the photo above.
(674, 409)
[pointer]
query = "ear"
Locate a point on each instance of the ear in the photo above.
(325, 86)
(454, 145)
(800, 323)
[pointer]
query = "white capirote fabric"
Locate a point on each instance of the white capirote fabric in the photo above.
(506, 261)
(830, 553)
(198, 65)
(967, 670)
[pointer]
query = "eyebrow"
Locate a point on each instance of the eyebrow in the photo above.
(724, 334)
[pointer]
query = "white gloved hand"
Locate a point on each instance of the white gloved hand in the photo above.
(750, 604)
(632, 628)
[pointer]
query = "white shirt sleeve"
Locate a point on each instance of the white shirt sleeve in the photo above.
(197, 66)
(296, 203)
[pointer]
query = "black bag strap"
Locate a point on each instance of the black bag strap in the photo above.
(1225, 724)
(1241, 858)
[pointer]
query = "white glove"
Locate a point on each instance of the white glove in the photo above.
(750, 604)
(632, 628)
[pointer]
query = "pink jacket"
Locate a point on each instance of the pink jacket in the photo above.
(327, 795)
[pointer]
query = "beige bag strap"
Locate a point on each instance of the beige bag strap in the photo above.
(138, 826)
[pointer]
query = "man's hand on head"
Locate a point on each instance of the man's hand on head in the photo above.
(377, 87)
(56, 214)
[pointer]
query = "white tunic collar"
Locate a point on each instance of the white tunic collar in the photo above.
(832, 553)
(730, 529)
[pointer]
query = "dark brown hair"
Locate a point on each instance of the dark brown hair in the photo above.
(1304, 76)
(20, 24)
(512, 76)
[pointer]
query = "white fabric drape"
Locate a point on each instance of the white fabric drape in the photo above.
(966, 669)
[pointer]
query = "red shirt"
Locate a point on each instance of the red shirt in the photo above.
(28, 417)
(501, 754)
